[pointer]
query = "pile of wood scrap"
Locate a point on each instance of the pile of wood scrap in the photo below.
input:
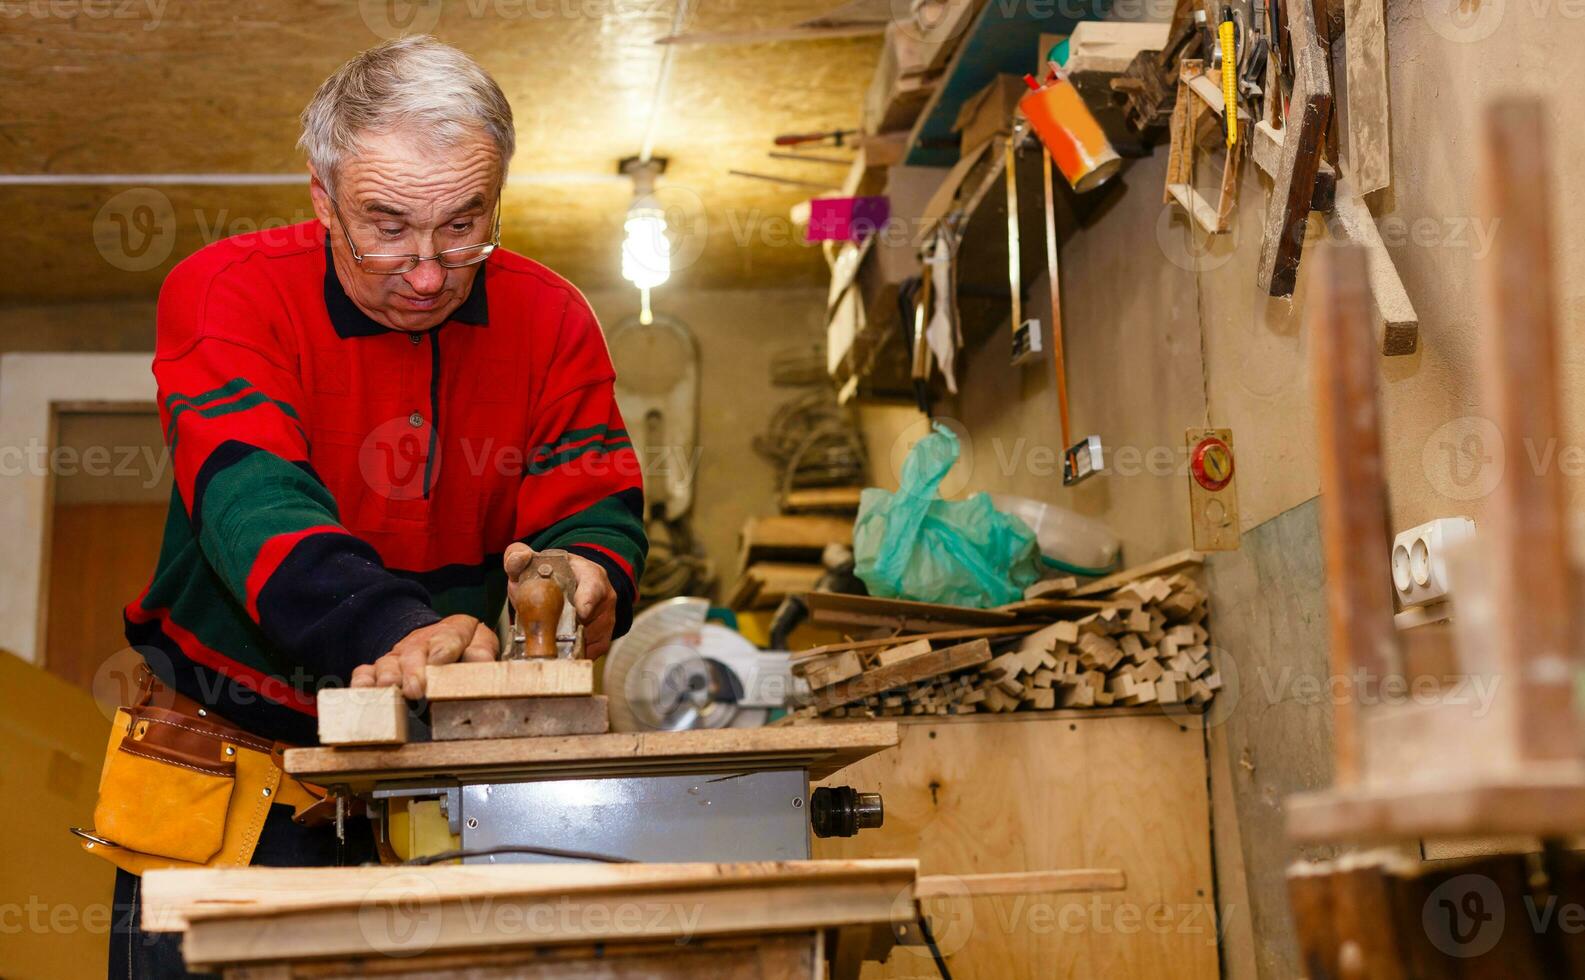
(1138, 638)
(780, 554)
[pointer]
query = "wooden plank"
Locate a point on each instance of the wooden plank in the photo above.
(1022, 883)
(823, 749)
(1353, 496)
(254, 914)
(792, 534)
(173, 898)
(838, 667)
(844, 499)
(1397, 325)
(887, 641)
(509, 679)
(1122, 791)
(1525, 520)
(897, 654)
(908, 672)
(1365, 53)
(362, 716)
(519, 718)
(1303, 143)
(1165, 565)
(836, 609)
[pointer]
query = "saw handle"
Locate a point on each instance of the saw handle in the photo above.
(538, 605)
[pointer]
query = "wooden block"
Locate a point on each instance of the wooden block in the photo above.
(839, 667)
(519, 717)
(896, 655)
(1051, 587)
(1042, 678)
(1043, 699)
(510, 679)
(362, 716)
(1009, 664)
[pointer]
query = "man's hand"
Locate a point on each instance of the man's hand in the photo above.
(453, 638)
(595, 600)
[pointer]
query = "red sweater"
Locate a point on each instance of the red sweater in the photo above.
(339, 484)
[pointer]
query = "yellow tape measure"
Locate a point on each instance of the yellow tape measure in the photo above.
(1229, 74)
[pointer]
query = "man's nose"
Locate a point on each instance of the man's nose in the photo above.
(427, 278)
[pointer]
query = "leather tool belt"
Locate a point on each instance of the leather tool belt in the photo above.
(182, 787)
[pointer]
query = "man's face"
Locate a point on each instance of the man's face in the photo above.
(402, 194)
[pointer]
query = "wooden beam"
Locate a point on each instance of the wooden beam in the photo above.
(891, 641)
(1304, 141)
(1354, 531)
(451, 721)
(1365, 51)
(1397, 326)
(362, 716)
(836, 609)
(509, 679)
(1525, 519)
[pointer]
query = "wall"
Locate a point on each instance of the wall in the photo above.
(1166, 329)
(737, 331)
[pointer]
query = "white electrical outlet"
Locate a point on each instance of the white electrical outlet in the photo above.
(1419, 559)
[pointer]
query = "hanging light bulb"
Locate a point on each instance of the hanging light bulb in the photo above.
(646, 251)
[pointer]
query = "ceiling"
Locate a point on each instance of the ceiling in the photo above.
(215, 86)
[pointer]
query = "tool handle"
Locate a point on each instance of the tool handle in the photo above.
(538, 604)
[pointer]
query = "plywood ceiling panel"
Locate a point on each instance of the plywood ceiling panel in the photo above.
(215, 86)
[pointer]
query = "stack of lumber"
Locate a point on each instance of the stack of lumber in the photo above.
(780, 554)
(1117, 642)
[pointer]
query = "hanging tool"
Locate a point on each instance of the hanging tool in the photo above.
(831, 137)
(1086, 458)
(1227, 35)
(1026, 333)
(546, 622)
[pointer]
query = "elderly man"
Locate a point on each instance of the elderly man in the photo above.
(375, 419)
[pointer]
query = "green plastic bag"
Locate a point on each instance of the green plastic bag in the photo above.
(913, 545)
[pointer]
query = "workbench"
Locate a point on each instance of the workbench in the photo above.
(713, 795)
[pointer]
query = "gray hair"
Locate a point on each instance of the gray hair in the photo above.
(411, 81)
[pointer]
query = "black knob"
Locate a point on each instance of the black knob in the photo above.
(842, 811)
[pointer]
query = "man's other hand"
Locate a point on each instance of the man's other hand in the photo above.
(594, 601)
(453, 638)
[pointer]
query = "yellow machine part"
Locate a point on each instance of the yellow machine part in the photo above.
(418, 828)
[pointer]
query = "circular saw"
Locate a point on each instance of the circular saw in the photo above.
(674, 670)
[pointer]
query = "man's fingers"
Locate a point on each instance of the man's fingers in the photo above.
(597, 634)
(484, 647)
(517, 557)
(362, 676)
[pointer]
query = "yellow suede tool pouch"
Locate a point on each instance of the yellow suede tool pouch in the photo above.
(156, 805)
(166, 785)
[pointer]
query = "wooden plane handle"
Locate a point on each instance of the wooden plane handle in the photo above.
(538, 604)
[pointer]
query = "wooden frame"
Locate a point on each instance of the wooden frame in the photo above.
(33, 388)
(1198, 97)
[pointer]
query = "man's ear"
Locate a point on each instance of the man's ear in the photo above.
(320, 196)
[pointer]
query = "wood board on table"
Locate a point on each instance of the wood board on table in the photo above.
(823, 749)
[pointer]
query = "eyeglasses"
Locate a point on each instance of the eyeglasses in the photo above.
(396, 264)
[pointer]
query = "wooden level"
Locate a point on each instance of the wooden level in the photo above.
(822, 749)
